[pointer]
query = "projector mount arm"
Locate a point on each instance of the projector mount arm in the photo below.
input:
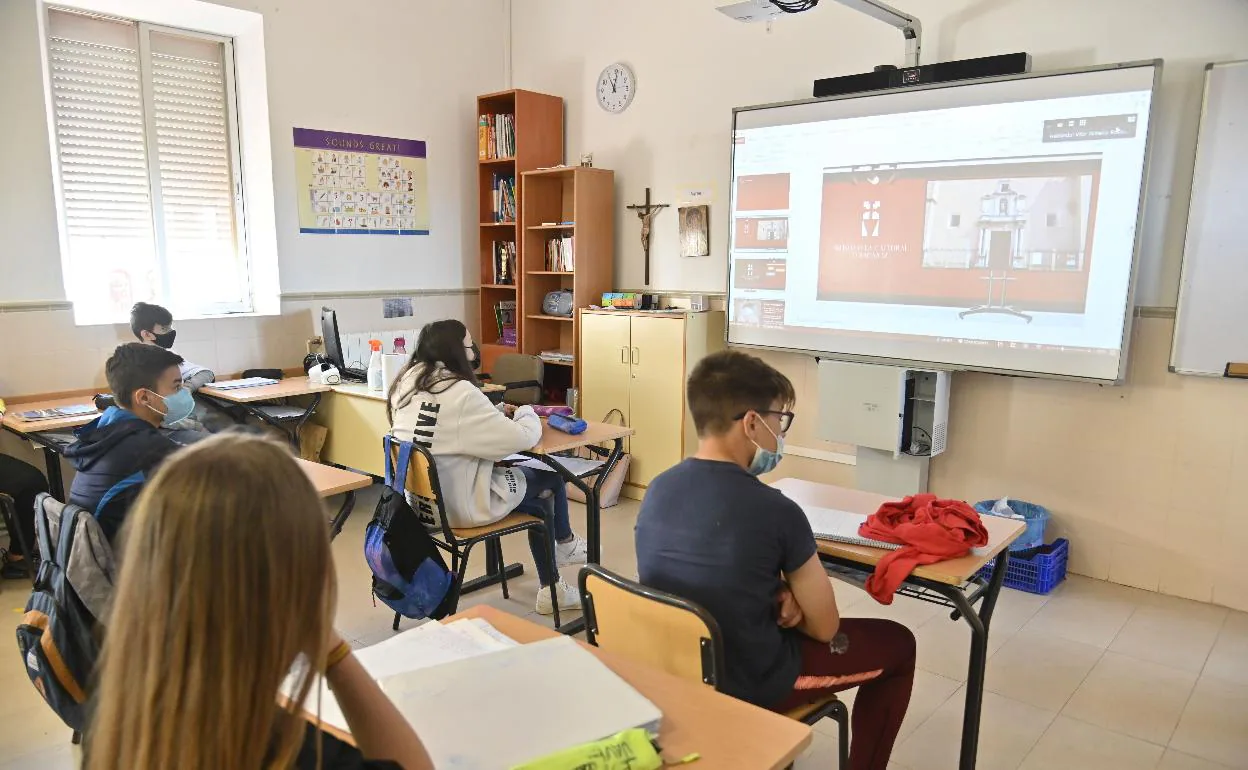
(910, 27)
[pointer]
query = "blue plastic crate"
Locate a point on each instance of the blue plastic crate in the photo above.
(1037, 574)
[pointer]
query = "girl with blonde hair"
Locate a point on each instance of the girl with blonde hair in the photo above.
(227, 584)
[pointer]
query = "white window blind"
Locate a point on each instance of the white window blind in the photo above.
(148, 162)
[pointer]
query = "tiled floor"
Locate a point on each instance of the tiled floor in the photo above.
(1094, 676)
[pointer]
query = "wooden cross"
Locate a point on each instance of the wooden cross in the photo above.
(646, 213)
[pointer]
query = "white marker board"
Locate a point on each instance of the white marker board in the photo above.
(1211, 324)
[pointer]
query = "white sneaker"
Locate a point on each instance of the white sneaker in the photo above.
(569, 598)
(575, 551)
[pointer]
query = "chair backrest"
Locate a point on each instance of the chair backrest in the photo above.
(270, 374)
(650, 626)
(521, 375)
(421, 481)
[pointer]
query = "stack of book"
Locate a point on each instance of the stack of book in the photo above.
(504, 203)
(556, 356)
(496, 137)
(505, 318)
(504, 263)
(561, 254)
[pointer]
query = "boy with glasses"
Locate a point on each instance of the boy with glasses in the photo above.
(709, 531)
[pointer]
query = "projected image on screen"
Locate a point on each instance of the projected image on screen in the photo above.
(978, 225)
(762, 233)
(1009, 237)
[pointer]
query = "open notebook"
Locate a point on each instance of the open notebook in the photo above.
(841, 527)
(458, 681)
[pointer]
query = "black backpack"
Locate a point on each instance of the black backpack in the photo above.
(409, 573)
(59, 637)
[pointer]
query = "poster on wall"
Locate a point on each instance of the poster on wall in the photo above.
(355, 184)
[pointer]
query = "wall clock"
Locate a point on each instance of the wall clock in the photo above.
(617, 85)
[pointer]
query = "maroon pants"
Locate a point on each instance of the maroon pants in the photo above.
(880, 663)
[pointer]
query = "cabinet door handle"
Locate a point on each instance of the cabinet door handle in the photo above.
(624, 354)
(636, 356)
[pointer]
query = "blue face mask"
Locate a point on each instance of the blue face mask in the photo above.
(766, 460)
(177, 407)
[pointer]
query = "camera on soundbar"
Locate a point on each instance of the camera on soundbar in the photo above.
(887, 76)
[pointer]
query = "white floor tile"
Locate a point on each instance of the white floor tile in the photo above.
(1041, 670)
(1134, 697)
(1073, 745)
(1215, 723)
(1007, 732)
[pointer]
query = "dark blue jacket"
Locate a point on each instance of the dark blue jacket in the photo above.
(112, 447)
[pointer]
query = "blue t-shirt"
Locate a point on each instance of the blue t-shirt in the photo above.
(711, 533)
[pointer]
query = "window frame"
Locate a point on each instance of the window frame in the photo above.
(254, 194)
(145, 30)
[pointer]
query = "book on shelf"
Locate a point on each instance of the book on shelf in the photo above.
(505, 318)
(496, 136)
(504, 198)
(561, 254)
(556, 356)
(504, 263)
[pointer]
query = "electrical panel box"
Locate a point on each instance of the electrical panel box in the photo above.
(893, 409)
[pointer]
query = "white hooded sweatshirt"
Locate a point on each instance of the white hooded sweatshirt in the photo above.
(466, 435)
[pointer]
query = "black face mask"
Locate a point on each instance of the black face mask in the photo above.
(474, 356)
(166, 340)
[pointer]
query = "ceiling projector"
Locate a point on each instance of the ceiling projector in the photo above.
(752, 11)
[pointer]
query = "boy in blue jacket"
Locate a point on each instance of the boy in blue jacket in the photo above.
(126, 439)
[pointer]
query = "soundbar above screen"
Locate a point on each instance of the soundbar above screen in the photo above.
(988, 226)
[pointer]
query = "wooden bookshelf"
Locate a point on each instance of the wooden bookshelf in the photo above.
(538, 122)
(584, 197)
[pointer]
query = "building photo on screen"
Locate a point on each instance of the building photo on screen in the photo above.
(988, 225)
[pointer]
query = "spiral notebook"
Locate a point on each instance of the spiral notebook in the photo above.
(841, 527)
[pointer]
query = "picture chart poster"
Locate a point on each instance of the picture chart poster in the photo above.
(355, 184)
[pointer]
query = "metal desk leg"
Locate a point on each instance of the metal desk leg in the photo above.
(340, 519)
(593, 514)
(979, 623)
(56, 483)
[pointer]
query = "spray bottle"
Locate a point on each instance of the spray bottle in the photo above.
(376, 382)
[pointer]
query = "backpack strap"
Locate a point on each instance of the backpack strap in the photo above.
(69, 522)
(396, 478)
(42, 530)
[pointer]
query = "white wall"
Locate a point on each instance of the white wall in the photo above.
(391, 68)
(30, 255)
(694, 65)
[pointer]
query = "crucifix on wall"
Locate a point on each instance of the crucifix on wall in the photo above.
(646, 213)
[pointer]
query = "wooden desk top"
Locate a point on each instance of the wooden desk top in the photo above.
(330, 481)
(17, 424)
(291, 386)
(728, 733)
(558, 441)
(1001, 532)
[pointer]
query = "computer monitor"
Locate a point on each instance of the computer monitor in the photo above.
(333, 344)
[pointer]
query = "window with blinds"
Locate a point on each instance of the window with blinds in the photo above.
(148, 152)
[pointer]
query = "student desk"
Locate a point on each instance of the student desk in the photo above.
(356, 420)
(554, 441)
(252, 401)
(728, 733)
(952, 583)
(50, 435)
(330, 481)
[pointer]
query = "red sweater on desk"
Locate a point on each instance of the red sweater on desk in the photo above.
(929, 529)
